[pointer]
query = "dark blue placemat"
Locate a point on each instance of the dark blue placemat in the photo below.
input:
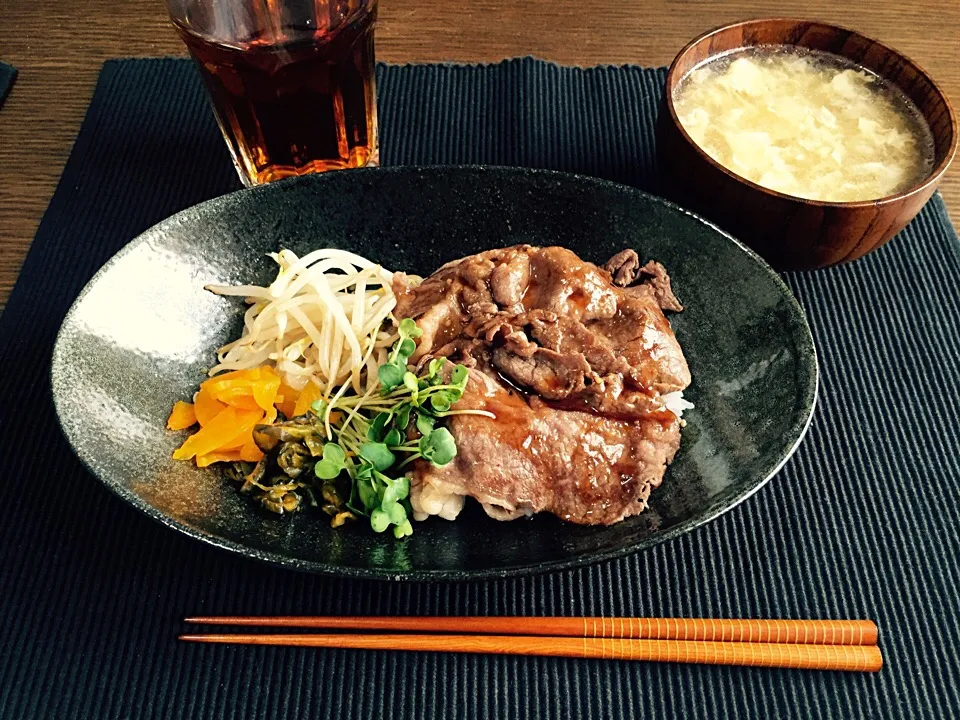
(8, 73)
(863, 522)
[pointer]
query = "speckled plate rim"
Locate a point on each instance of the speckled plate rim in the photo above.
(799, 428)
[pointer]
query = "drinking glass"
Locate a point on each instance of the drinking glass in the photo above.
(291, 81)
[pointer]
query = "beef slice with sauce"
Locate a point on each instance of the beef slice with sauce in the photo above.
(572, 360)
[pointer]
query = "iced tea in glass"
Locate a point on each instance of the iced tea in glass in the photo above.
(292, 83)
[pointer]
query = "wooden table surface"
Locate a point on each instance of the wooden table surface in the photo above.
(58, 48)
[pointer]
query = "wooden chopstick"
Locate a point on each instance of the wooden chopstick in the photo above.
(857, 658)
(804, 632)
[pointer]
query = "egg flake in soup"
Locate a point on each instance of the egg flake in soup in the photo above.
(804, 123)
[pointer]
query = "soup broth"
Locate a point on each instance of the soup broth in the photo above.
(805, 123)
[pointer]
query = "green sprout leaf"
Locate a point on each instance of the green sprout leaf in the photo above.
(438, 447)
(407, 348)
(402, 417)
(390, 376)
(371, 439)
(377, 428)
(368, 496)
(435, 366)
(410, 383)
(334, 453)
(408, 329)
(332, 463)
(425, 423)
(379, 521)
(378, 455)
(389, 499)
(441, 401)
(459, 376)
(397, 514)
(393, 438)
(401, 486)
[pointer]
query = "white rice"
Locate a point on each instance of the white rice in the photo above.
(675, 403)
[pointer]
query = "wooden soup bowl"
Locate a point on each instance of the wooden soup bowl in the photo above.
(792, 233)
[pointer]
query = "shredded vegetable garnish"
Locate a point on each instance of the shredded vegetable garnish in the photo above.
(227, 408)
(315, 403)
(321, 320)
(354, 451)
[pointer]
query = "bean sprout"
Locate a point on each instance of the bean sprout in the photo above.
(320, 320)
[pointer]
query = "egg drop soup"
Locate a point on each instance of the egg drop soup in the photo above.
(805, 123)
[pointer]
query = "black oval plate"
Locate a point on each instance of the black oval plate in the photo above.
(143, 331)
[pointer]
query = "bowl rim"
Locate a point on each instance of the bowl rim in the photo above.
(928, 183)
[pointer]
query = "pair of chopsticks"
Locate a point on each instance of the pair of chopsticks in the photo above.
(803, 644)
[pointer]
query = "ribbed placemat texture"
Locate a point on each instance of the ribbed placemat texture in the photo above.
(862, 522)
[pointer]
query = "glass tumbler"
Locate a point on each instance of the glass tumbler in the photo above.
(291, 81)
